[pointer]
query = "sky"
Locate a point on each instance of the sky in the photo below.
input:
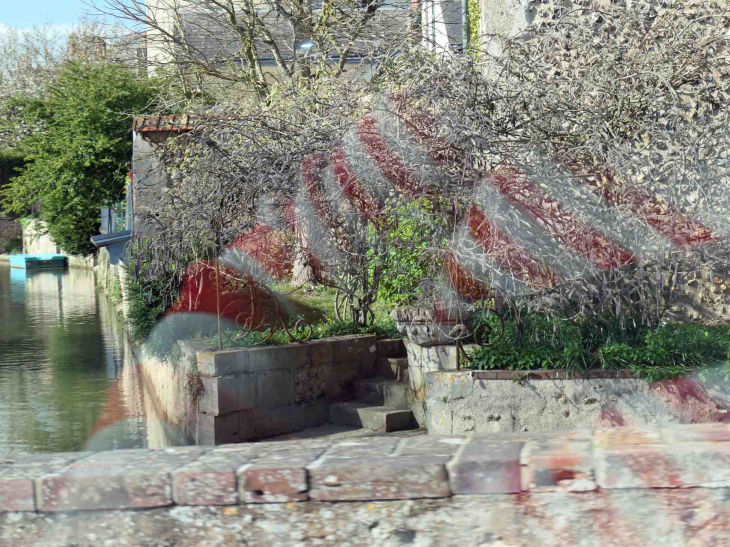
(26, 13)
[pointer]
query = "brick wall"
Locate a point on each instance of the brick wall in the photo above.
(9, 229)
(620, 487)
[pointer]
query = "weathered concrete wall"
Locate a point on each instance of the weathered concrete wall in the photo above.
(502, 401)
(172, 409)
(610, 488)
(217, 397)
(254, 393)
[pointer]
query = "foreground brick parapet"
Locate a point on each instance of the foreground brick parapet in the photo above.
(371, 469)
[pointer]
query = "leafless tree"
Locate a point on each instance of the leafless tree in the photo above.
(219, 47)
(587, 164)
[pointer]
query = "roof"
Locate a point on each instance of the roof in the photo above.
(212, 39)
(152, 124)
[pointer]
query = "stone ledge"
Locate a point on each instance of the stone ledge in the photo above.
(236, 361)
(370, 469)
(547, 374)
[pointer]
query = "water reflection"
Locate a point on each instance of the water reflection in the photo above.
(64, 381)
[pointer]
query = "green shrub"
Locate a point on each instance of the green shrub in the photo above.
(326, 329)
(80, 149)
(15, 245)
(115, 291)
(408, 259)
(144, 308)
(543, 343)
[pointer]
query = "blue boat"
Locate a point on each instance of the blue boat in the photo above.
(36, 262)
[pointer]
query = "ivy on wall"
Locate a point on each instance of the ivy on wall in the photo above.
(474, 16)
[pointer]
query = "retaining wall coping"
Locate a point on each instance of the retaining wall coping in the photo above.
(597, 374)
(370, 469)
(212, 362)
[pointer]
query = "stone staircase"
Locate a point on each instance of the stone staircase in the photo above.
(382, 403)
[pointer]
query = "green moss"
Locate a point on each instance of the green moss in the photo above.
(15, 245)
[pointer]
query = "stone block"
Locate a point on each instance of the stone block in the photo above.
(310, 383)
(226, 394)
(688, 465)
(246, 422)
(357, 348)
(315, 414)
(267, 485)
(19, 473)
(118, 479)
(393, 368)
(320, 351)
(696, 433)
(419, 413)
(363, 448)
(433, 358)
(378, 478)
(210, 480)
(189, 352)
(487, 467)
(390, 393)
(626, 436)
(563, 463)
(391, 347)
(308, 415)
(273, 388)
(17, 495)
(446, 446)
(290, 356)
(298, 447)
(375, 418)
(269, 422)
(424, 360)
(439, 417)
(341, 376)
(215, 430)
(221, 363)
(279, 475)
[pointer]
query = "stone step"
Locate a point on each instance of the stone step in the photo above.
(375, 418)
(383, 392)
(393, 368)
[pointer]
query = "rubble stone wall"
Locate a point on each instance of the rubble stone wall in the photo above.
(508, 401)
(9, 229)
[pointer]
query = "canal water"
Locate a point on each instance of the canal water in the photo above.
(68, 380)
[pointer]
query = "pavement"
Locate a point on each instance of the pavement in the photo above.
(339, 432)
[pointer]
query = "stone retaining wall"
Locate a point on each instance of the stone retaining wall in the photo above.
(10, 228)
(261, 392)
(616, 487)
(507, 401)
(254, 393)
